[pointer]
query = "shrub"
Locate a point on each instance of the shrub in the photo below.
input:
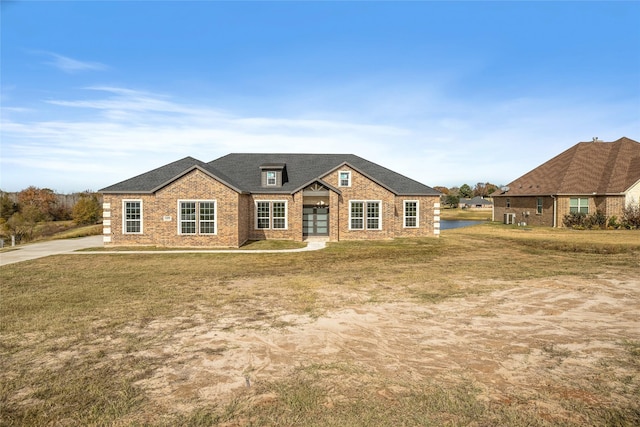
(574, 220)
(581, 221)
(613, 222)
(631, 216)
(596, 220)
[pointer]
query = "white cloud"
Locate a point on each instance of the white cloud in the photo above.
(70, 65)
(124, 132)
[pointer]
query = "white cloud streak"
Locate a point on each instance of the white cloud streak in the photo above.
(71, 65)
(122, 132)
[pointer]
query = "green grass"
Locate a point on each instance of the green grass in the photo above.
(74, 330)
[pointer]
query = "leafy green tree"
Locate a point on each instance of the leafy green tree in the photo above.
(21, 224)
(466, 191)
(452, 200)
(7, 206)
(87, 209)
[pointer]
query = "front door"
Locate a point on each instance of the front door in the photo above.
(315, 221)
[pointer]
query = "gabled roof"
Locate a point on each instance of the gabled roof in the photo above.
(242, 172)
(154, 180)
(477, 200)
(586, 168)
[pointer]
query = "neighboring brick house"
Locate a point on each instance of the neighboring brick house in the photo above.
(242, 197)
(588, 177)
(477, 202)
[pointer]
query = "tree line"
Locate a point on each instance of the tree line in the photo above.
(451, 196)
(21, 212)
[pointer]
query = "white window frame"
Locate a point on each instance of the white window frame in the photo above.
(539, 205)
(365, 214)
(271, 217)
(348, 184)
(272, 178)
(124, 216)
(198, 219)
(405, 217)
(579, 205)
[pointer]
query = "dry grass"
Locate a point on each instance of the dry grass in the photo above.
(469, 214)
(80, 336)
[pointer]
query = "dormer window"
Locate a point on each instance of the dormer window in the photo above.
(273, 174)
(344, 178)
(272, 178)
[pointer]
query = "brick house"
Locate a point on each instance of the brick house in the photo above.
(242, 197)
(588, 177)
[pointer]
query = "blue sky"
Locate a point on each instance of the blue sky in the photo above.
(444, 92)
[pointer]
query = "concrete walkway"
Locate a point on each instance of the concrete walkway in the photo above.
(70, 246)
(53, 247)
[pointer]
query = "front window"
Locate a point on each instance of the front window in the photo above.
(579, 205)
(373, 215)
(207, 218)
(345, 179)
(197, 217)
(410, 214)
(539, 206)
(279, 215)
(365, 215)
(132, 216)
(271, 214)
(508, 202)
(356, 213)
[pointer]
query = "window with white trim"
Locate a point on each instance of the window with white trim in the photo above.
(344, 178)
(132, 216)
(579, 205)
(539, 206)
(271, 214)
(272, 178)
(365, 214)
(410, 214)
(197, 217)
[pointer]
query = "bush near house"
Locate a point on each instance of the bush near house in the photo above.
(580, 221)
(631, 216)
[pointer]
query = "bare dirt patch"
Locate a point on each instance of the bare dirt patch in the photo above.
(522, 344)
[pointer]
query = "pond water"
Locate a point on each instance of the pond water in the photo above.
(449, 224)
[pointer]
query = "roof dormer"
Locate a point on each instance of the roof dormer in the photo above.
(273, 174)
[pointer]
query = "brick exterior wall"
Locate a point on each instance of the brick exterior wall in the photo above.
(294, 218)
(159, 230)
(236, 214)
(609, 205)
(392, 209)
(525, 210)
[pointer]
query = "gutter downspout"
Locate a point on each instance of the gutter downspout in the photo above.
(555, 211)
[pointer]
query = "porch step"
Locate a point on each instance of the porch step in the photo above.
(316, 239)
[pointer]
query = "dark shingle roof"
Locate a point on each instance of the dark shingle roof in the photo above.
(585, 168)
(242, 173)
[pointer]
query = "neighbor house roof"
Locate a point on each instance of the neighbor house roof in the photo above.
(242, 172)
(477, 200)
(586, 168)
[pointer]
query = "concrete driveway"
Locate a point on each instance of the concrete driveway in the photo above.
(53, 247)
(68, 246)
